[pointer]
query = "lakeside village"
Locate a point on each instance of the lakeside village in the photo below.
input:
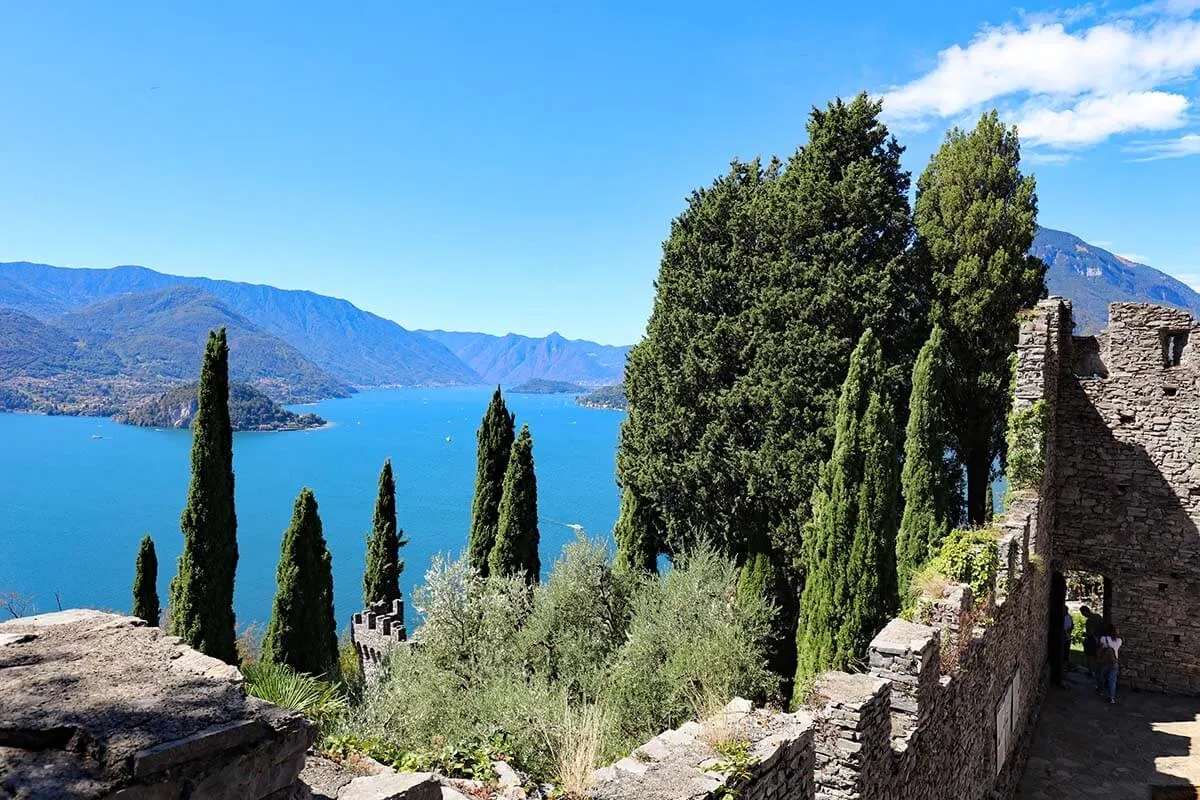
(826, 385)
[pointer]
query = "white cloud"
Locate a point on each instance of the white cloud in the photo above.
(1094, 119)
(1070, 89)
(1180, 147)
(1136, 258)
(1046, 157)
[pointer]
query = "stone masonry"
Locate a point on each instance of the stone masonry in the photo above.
(946, 709)
(95, 705)
(375, 631)
(1129, 486)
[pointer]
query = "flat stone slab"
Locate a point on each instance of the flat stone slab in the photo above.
(93, 704)
(393, 786)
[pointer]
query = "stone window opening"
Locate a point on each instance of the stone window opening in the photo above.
(1174, 343)
(1170, 391)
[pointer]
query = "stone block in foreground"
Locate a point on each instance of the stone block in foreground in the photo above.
(96, 705)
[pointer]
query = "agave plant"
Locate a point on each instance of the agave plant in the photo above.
(316, 699)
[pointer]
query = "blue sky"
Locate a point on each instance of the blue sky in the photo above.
(515, 167)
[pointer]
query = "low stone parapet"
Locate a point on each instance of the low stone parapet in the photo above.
(96, 705)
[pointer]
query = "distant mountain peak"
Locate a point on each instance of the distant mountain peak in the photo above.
(1092, 277)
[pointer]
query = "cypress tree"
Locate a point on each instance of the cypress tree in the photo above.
(976, 216)
(637, 548)
(302, 632)
(145, 583)
(925, 483)
(381, 580)
(201, 594)
(516, 548)
(494, 445)
(849, 547)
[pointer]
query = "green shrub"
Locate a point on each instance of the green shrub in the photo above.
(1026, 438)
(568, 675)
(971, 557)
(323, 703)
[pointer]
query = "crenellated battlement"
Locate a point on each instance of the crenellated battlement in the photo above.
(376, 631)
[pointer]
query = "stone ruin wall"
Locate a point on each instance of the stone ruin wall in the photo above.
(1129, 486)
(376, 631)
(944, 709)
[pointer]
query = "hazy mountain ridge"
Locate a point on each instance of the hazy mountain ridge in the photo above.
(354, 346)
(103, 358)
(512, 359)
(1092, 277)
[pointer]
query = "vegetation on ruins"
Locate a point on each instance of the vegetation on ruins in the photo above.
(850, 558)
(201, 594)
(495, 440)
(302, 633)
(566, 675)
(1026, 439)
(976, 215)
(965, 556)
(145, 583)
(636, 537)
(927, 478)
(515, 551)
(381, 578)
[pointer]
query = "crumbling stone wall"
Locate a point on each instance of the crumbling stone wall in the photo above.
(375, 631)
(1129, 485)
(946, 709)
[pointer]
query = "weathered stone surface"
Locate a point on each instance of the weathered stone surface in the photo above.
(375, 632)
(393, 786)
(1129, 486)
(99, 705)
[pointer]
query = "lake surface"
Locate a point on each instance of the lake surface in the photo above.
(73, 507)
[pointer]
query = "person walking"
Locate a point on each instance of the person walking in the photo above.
(1108, 652)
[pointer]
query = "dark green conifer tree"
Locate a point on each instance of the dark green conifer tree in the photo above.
(495, 441)
(517, 539)
(381, 580)
(302, 632)
(637, 543)
(926, 484)
(850, 587)
(976, 216)
(201, 594)
(145, 583)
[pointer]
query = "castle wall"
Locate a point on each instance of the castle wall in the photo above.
(375, 632)
(1129, 486)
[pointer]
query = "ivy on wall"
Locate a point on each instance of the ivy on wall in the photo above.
(1027, 445)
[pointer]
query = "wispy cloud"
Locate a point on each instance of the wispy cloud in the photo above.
(1179, 147)
(1066, 89)
(1136, 258)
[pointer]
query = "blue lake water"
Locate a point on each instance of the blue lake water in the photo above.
(73, 507)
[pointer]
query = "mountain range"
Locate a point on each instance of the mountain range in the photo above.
(1092, 277)
(99, 341)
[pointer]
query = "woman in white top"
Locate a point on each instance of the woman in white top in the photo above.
(1108, 650)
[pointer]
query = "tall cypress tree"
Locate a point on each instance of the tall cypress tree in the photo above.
(976, 216)
(303, 632)
(517, 539)
(849, 546)
(145, 583)
(767, 280)
(201, 594)
(381, 580)
(637, 544)
(926, 485)
(495, 441)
